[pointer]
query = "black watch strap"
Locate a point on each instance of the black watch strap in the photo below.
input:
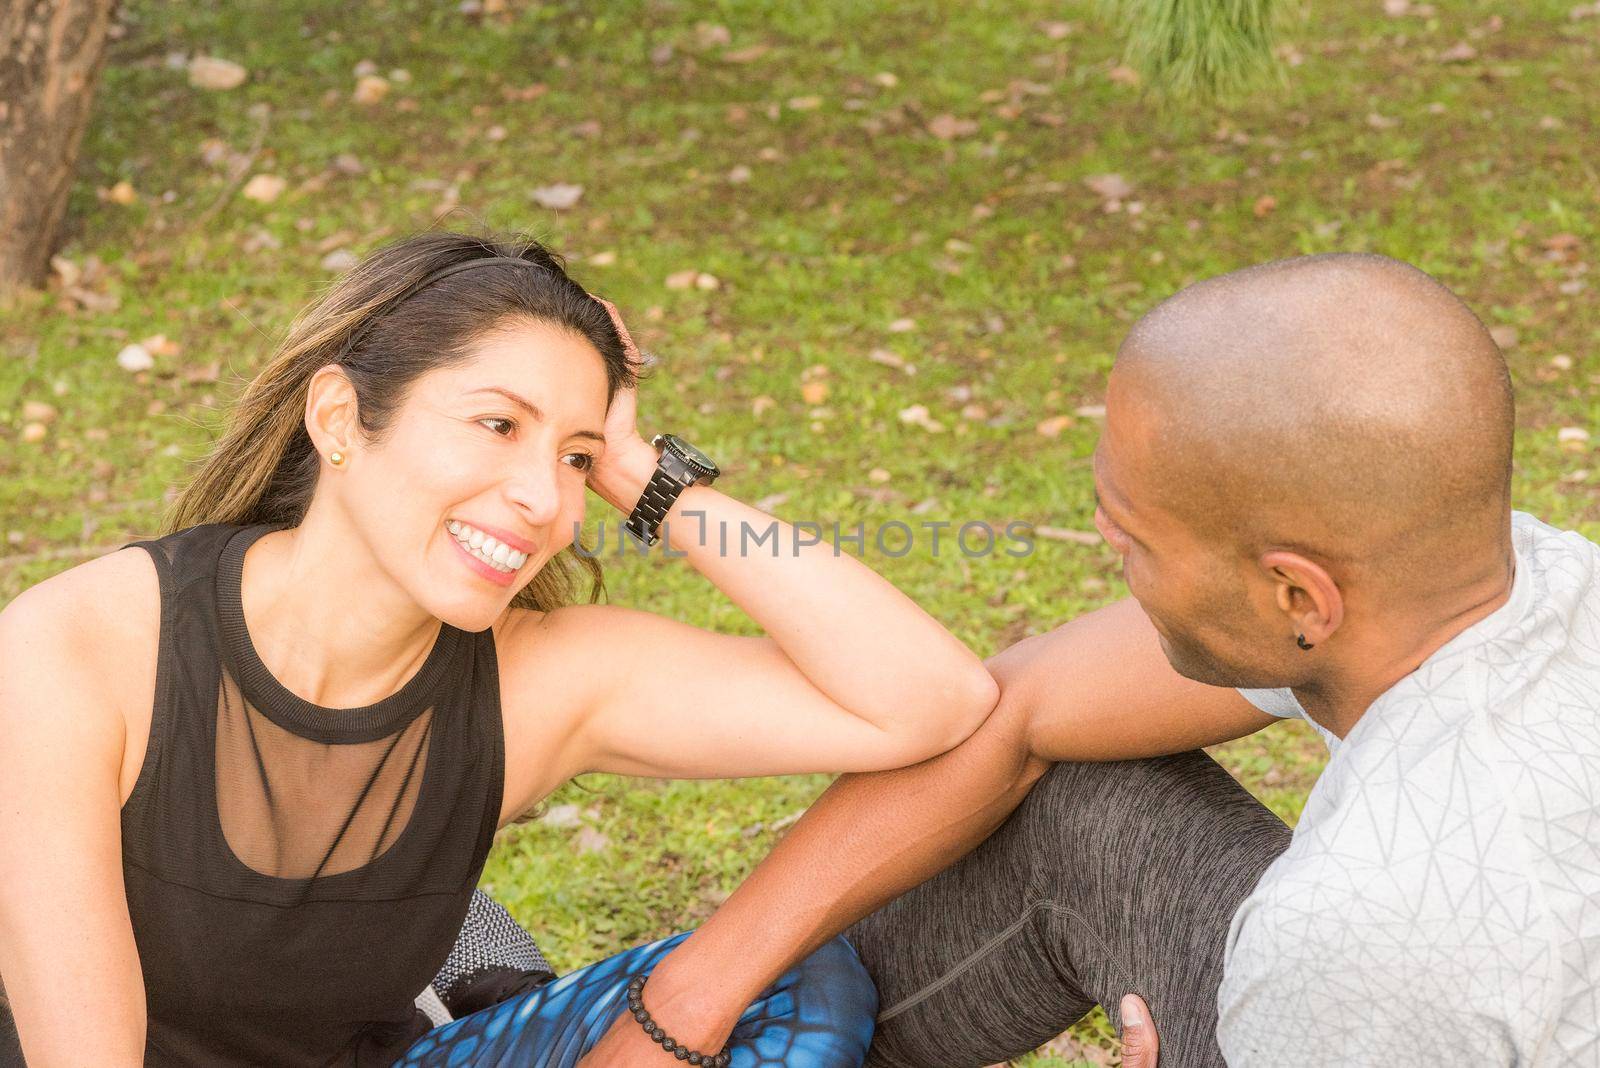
(660, 493)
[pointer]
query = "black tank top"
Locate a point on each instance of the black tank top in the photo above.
(297, 874)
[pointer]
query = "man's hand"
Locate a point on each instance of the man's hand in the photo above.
(1140, 1043)
(626, 1045)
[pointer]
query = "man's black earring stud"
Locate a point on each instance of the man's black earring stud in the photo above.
(1300, 640)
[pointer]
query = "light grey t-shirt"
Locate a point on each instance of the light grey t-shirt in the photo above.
(1440, 901)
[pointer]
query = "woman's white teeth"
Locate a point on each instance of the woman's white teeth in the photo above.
(497, 554)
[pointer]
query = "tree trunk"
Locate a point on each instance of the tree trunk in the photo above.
(50, 57)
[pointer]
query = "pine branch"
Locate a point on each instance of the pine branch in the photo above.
(1200, 49)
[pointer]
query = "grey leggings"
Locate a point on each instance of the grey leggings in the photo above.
(1109, 879)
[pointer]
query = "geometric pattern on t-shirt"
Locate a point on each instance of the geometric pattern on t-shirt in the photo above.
(1440, 901)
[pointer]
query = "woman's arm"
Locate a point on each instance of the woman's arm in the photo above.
(66, 943)
(852, 676)
(851, 673)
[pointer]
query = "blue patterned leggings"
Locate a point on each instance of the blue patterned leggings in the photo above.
(819, 1014)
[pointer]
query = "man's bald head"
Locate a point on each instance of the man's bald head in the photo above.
(1347, 406)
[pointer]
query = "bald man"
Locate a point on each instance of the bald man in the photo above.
(1306, 471)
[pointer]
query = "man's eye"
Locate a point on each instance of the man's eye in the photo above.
(581, 460)
(509, 423)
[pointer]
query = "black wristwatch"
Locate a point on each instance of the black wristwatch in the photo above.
(679, 466)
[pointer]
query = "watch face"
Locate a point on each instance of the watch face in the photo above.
(695, 456)
(690, 454)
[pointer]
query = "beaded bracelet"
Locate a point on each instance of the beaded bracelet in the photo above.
(657, 1035)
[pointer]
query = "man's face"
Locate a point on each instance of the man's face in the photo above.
(1205, 599)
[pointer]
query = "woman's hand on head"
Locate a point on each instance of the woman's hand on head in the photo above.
(628, 461)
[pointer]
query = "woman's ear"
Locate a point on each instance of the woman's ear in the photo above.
(1311, 602)
(331, 418)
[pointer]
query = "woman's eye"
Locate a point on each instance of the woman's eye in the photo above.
(581, 460)
(510, 424)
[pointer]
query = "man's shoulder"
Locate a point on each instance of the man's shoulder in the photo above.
(1529, 530)
(1563, 584)
(1542, 673)
(1410, 835)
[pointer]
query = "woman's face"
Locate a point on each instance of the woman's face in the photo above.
(493, 450)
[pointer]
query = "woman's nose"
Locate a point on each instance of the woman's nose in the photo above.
(535, 493)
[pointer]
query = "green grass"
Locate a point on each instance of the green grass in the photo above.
(1019, 281)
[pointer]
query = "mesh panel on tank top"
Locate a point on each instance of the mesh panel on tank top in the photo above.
(305, 791)
(295, 808)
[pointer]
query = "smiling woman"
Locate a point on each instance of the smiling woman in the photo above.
(305, 709)
(412, 308)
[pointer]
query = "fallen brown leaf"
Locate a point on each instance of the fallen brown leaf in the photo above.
(264, 188)
(888, 359)
(213, 73)
(1505, 336)
(917, 415)
(66, 270)
(1053, 426)
(712, 35)
(135, 358)
(949, 127)
(1109, 186)
(339, 260)
(161, 345)
(39, 412)
(370, 89)
(559, 196)
(748, 54)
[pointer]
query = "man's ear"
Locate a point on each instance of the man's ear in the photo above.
(1312, 605)
(331, 418)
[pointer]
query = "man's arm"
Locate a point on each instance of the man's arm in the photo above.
(1097, 688)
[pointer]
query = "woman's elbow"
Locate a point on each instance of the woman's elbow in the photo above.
(981, 693)
(959, 706)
